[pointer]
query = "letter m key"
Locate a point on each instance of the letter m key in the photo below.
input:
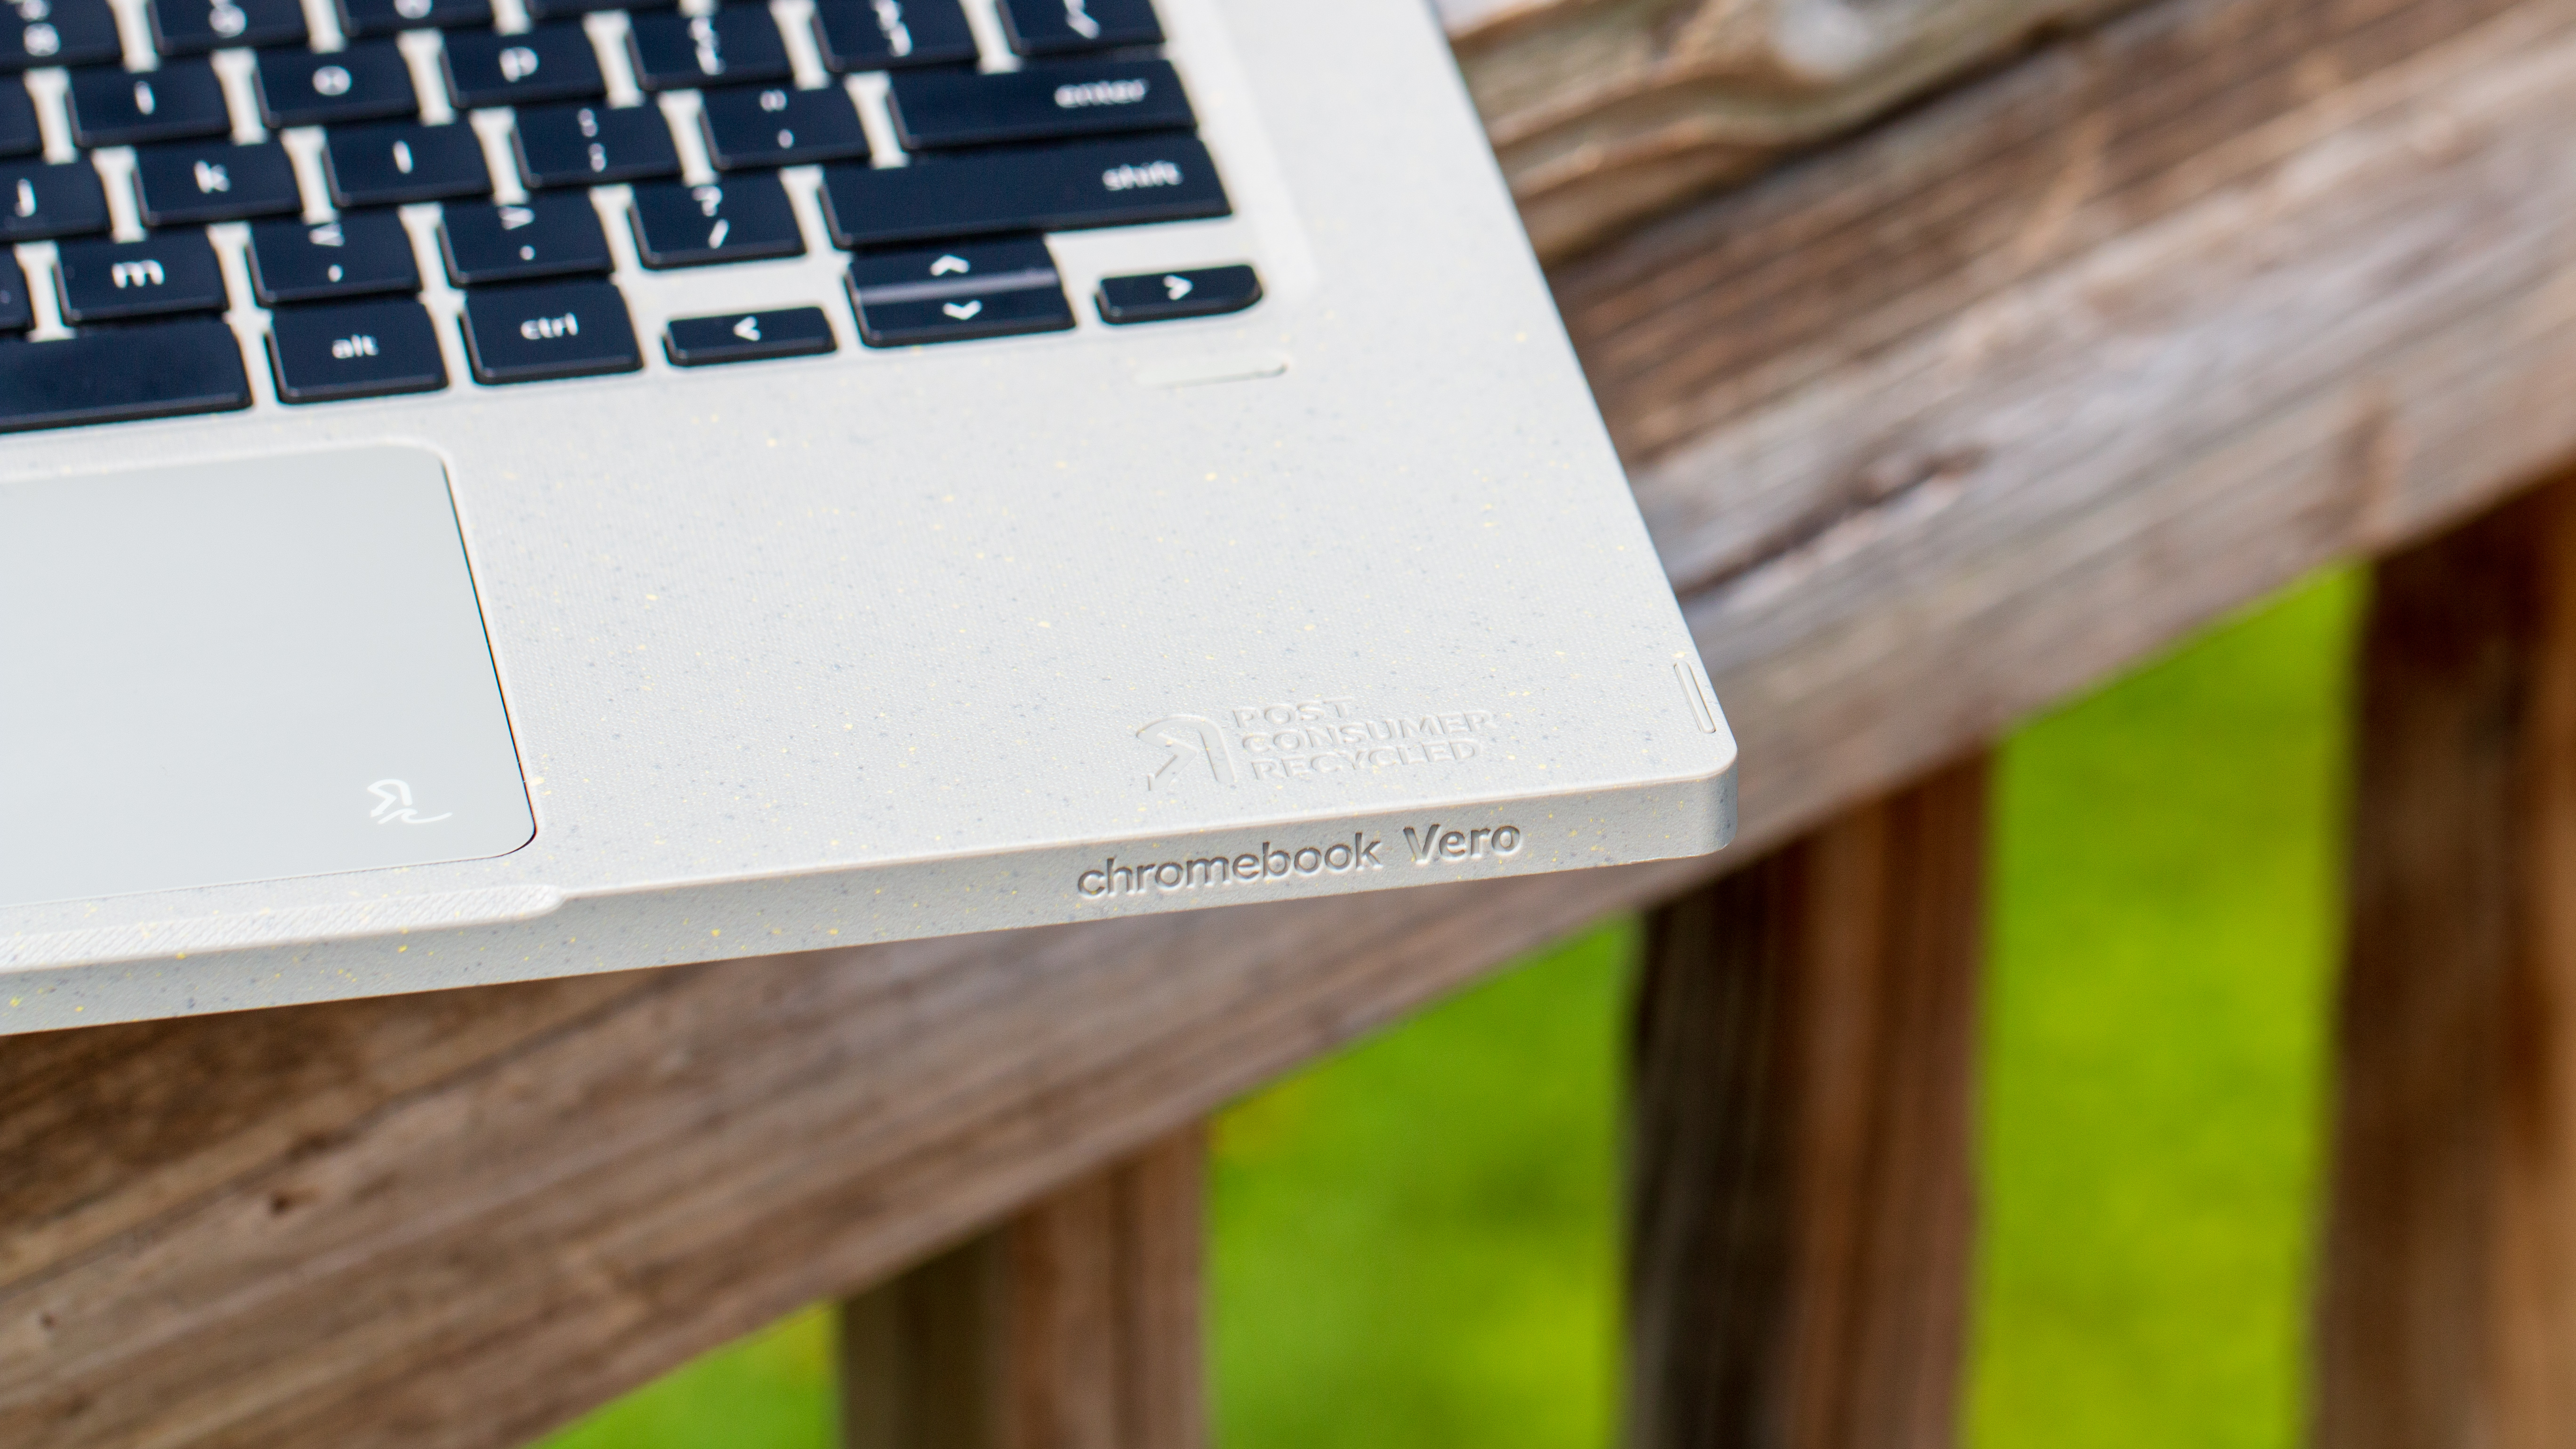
(145, 273)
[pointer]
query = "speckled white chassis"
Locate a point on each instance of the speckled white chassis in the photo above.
(1342, 593)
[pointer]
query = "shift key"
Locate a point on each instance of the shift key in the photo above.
(1052, 188)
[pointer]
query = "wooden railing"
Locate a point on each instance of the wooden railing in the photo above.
(1933, 425)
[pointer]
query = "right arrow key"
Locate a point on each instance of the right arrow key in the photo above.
(1161, 296)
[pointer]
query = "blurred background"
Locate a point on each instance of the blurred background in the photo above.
(1416, 1242)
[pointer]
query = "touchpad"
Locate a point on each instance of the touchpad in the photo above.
(239, 671)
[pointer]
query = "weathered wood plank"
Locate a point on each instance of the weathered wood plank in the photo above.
(1076, 1325)
(1933, 428)
(1802, 1199)
(1607, 111)
(2448, 1304)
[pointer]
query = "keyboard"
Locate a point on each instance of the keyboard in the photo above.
(211, 205)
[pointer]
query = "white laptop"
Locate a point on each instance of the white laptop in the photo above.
(494, 489)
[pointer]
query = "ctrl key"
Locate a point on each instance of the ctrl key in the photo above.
(530, 334)
(361, 349)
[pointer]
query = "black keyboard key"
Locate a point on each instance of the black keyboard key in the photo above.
(962, 319)
(190, 183)
(386, 17)
(953, 293)
(747, 336)
(17, 313)
(19, 134)
(1055, 188)
(594, 145)
(122, 374)
(363, 253)
(575, 9)
(544, 236)
(39, 201)
(738, 219)
(367, 82)
(1162, 296)
(190, 27)
(58, 32)
(775, 126)
(125, 108)
(1069, 27)
(936, 109)
(390, 165)
(568, 329)
(549, 63)
(673, 52)
(110, 281)
(892, 34)
(361, 349)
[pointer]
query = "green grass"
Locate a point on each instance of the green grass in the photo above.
(1415, 1240)
(2167, 904)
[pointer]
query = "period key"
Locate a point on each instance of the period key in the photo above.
(354, 350)
(747, 336)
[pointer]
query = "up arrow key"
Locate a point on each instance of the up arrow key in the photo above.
(950, 266)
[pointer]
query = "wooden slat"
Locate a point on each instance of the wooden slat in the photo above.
(2448, 1312)
(1802, 1203)
(1605, 113)
(1933, 428)
(1076, 1325)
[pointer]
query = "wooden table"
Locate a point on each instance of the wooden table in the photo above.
(1951, 410)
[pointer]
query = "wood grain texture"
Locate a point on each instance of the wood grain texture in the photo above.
(1933, 428)
(1606, 111)
(2448, 1306)
(1802, 1200)
(1076, 1325)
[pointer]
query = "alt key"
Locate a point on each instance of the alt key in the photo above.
(747, 336)
(354, 350)
(1161, 296)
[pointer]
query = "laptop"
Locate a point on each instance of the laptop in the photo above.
(495, 489)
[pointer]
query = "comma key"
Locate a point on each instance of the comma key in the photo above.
(361, 254)
(354, 350)
(531, 334)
